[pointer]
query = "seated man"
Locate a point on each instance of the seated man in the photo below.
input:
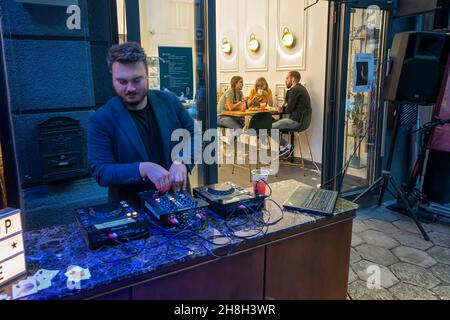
(297, 100)
(129, 139)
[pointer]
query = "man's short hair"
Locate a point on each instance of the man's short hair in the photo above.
(296, 75)
(128, 52)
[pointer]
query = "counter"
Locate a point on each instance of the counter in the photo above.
(300, 257)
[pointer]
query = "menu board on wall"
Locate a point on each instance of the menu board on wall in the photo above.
(176, 71)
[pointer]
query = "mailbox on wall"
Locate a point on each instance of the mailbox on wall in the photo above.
(61, 149)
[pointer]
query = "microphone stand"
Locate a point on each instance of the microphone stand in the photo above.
(412, 193)
(387, 177)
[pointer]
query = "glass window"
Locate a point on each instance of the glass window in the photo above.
(3, 203)
(171, 33)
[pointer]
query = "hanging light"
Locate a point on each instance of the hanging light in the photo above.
(226, 46)
(253, 45)
(288, 39)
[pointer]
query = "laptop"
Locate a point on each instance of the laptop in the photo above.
(316, 201)
(311, 200)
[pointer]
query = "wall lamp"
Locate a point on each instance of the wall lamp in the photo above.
(253, 45)
(226, 46)
(288, 39)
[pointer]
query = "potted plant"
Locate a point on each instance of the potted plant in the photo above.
(356, 115)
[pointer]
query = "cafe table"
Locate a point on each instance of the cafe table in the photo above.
(249, 113)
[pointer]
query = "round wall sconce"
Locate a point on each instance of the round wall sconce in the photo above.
(288, 39)
(226, 47)
(253, 45)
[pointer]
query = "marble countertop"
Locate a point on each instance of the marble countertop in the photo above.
(59, 248)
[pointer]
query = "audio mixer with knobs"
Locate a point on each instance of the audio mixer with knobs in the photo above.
(173, 208)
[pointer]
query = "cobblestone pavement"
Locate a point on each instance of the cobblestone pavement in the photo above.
(410, 267)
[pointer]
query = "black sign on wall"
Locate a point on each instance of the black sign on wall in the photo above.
(176, 71)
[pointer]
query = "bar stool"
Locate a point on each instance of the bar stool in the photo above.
(259, 125)
(305, 122)
(222, 136)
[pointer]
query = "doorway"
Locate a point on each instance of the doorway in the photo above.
(354, 122)
(260, 42)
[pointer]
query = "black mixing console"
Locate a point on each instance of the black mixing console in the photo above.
(109, 223)
(227, 198)
(174, 208)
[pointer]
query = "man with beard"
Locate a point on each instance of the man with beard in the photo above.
(129, 139)
(296, 102)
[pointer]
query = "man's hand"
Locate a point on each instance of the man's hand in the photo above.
(156, 174)
(178, 175)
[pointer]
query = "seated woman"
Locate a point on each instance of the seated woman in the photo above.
(260, 93)
(231, 100)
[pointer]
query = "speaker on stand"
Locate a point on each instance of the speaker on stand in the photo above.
(418, 61)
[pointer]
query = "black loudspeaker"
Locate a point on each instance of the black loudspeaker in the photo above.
(415, 7)
(418, 61)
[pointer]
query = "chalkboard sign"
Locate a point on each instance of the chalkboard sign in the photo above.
(176, 71)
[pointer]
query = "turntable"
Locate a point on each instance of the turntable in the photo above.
(108, 223)
(227, 198)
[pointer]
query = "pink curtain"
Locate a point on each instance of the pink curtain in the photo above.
(440, 139)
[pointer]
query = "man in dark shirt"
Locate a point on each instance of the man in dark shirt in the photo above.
(129, 140)
(296, 102)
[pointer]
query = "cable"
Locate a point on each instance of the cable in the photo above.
(344, 169)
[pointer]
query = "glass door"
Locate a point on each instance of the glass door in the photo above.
(354, 108)
(362, 132)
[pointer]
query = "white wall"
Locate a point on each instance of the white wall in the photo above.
(237, 19)
(166, 23)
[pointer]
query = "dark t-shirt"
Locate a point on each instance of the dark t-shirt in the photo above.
(149, 132)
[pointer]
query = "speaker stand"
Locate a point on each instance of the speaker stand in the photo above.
(387, 178)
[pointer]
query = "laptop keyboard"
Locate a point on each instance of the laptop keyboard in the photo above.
(318, 199)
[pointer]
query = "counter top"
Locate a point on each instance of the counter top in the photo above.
(58, 248)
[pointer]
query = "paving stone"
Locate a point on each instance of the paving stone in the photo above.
(382, 213)
(414, 256)
(379, 239)
(414, 275)
(412, 240)
(410, 226)
(382, 226)
(354, 256)
(404, 291)
(356, 240)
(440, 239)
(363, 215)
(359, 226)
(443, 292)
(441, 254)
(440, 227)
(358, 291)
(442, 271)
(376, 254)
(387, 278)
(351, 275)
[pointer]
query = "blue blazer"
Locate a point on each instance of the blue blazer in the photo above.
(115, 147)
